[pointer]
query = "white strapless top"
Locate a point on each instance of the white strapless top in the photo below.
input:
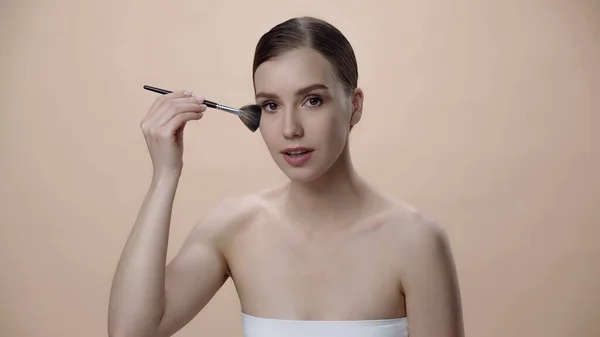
(267, 327)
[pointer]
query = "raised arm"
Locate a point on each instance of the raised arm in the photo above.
(148, 298)
(430, 284)
(197, 272)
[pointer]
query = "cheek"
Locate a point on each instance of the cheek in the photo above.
(267, 136)
(341, 123)
(334, 129)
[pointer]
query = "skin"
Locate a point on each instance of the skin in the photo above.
(324, 246)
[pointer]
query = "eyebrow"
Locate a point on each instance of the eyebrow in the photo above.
(299, 92)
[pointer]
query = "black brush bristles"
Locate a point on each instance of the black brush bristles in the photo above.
(248, 114)
(251, 116)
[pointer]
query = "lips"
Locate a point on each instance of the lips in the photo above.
(297, 156)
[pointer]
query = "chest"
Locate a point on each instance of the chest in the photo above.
(317, 275)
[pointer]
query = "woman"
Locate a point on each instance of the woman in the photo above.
(322, 255)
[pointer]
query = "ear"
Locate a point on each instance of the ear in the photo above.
(357, 106)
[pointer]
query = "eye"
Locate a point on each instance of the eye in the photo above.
(314, 101)
(269, 106)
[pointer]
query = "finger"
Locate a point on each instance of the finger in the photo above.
(164, 108)
(178, 109)
(160, 101)
(182, 100)
(164, 114)
(179, 120)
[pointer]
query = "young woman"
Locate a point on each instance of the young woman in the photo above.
(322, 255)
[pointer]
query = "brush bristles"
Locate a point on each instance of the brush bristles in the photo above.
(251, 116)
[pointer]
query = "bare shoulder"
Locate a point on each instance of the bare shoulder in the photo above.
(225, 219)
(232, 215)
(413, 226)
(417, 235)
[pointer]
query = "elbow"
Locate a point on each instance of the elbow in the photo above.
(133, 323)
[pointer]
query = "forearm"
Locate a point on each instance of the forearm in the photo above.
(138, 289)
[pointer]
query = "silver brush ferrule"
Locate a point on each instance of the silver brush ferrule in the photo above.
(229, 109)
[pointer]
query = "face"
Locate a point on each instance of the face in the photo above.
(306, 115)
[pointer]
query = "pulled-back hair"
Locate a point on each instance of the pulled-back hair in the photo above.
(314, 33)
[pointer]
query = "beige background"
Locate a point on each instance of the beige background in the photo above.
(484, 114)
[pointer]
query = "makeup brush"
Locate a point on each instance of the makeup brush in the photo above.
(248, 114)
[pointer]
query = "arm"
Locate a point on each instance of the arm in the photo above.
(431, 287)
(198, 271)
(149, 299)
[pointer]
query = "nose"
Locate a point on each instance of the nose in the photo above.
(292, 126)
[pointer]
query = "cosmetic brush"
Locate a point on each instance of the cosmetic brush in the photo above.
(248, 114)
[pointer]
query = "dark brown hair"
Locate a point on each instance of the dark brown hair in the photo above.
(314, 33)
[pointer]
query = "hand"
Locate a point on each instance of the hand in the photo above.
(163, 128)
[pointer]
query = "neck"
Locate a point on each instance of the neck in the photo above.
(334, 198)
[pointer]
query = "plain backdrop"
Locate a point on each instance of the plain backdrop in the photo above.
(483, 114)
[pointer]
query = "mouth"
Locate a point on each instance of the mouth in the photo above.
(297, 156)
(297, 151)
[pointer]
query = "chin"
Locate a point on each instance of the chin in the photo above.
(300, 175)
(303, 174)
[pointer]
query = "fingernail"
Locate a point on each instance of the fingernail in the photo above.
(187, 92)
(200, 99)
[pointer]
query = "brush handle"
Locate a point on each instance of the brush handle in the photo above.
(165, 91)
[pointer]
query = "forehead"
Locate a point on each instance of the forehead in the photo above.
(292, 70)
